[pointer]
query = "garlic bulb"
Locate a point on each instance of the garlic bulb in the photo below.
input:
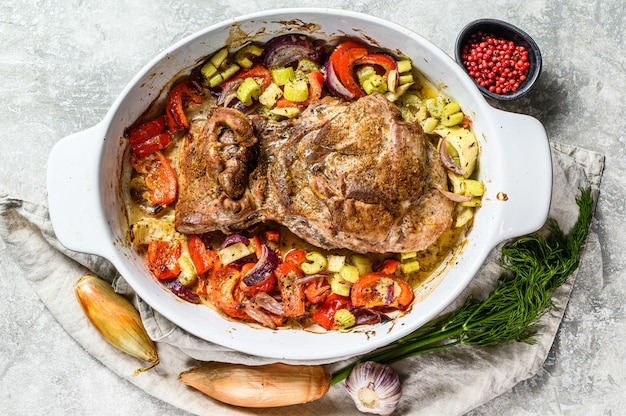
(375, 388)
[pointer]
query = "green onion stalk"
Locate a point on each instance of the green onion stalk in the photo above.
(534, 267)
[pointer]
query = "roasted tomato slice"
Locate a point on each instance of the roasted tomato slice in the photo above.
(159, 176)
(378, 289)
(163, 258)
(292, 292)
(224, 291)
(324, 313)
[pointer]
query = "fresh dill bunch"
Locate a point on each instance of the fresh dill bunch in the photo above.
(534, 267)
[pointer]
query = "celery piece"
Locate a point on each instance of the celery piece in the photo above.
(473, 187)
(344, 319)
(244, 57)
(229, 71)
(223, 75)
(349, 273)
(282, 76)
(435, 106)
(219, 57)
(248, 91)
(288, 112)
(410, 266)
(339, 286)
(452, 119)
(405, 79)
(451, 108)
(375, 83)
(362, 263)
(306, 66)
(296, 91)
(187, 275)
(315, 262)
(271, 94)
(430, 124)
(408, 255)
(208, 70)
(365, 72)
(335, 262)
(404, 65)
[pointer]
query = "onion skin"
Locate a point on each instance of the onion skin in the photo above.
(115, 318)
(263, 386)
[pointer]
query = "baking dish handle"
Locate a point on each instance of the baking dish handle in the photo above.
(527, 192)
(74, 200)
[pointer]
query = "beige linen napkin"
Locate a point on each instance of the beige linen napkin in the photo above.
(448, 382)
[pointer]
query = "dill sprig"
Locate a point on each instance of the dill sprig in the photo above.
(534, 267)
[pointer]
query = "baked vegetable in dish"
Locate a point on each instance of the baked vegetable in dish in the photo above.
(302, 183)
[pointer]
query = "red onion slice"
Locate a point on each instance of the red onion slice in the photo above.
(365, 316)
(229, 93)
(258, 315)
(447, 160)
(455, 197)
(234, 238)
(177, 288)
(286, 49)
(263, 267)
(269, 303)
(334, 84)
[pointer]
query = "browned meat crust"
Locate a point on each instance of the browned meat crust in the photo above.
(342, 175)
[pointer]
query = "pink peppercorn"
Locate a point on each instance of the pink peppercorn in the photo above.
(496, 64)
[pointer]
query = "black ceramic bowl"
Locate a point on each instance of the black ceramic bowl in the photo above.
(507, 31)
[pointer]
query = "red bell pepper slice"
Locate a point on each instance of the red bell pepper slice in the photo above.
(378, 289)
(159, 175)
(292, 292)
(201, 258)
(178, 97)
(149, 137)
(343, 59)
(380, 59)
(324, 313)
(163, 258)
